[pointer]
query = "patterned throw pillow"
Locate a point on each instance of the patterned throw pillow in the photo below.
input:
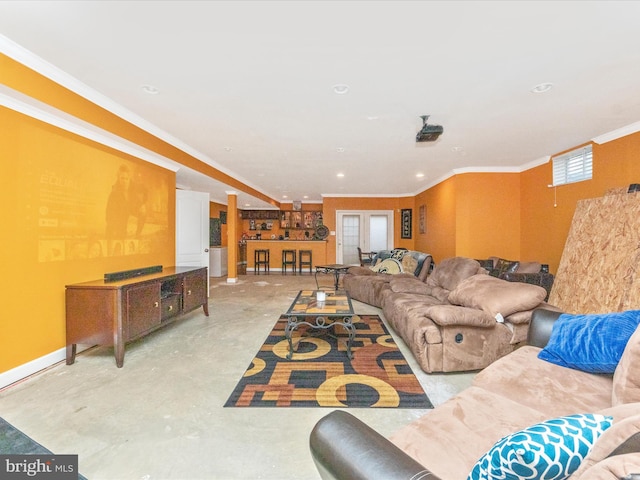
(398, 253)
(551, 450)
(388, 265)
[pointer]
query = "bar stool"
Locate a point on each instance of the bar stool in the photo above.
(288, 259)
(261, 258)
(305, 259)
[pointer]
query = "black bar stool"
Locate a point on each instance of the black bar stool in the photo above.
(288, 259)
(261, 258)
(305, 259)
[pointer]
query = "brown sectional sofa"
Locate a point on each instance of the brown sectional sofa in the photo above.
(514, 392)
(458, 318)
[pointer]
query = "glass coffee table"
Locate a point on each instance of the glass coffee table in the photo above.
(320, 315)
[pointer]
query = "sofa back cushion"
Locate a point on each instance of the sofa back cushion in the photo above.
(451, 271)
(496, 296)
(626, 378)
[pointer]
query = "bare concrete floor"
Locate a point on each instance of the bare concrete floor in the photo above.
(161, 416)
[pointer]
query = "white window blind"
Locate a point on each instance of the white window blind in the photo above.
(573, 166)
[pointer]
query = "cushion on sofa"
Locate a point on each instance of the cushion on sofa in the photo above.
(613, 468)
(529, 267)
(494, 295)
(552, 450)
(593, 343)
(388, 265)
(358, 270)
(455, 315)
(551, 389)
(619, 432)
(409, 285)
(626, 379)
(451, 271)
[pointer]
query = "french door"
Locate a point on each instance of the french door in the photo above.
(371, 230)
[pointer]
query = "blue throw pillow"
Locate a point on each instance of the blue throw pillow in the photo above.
(551, 450)
(591, 343)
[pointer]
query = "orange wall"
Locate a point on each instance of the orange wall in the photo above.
(53, 193)
(545, 227)
(488, 215)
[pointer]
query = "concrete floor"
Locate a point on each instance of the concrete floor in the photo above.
(161, 416)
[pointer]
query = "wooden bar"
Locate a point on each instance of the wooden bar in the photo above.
(275, 247)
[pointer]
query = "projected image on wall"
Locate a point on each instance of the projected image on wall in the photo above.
(105, 209)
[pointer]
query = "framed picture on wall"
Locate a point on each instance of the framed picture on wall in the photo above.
(422, 219)
(406, 223)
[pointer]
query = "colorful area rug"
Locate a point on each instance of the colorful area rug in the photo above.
(321, 375)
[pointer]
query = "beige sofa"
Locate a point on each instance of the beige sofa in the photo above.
(515, 392)
(458, 318)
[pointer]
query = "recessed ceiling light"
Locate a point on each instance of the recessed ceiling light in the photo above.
(340, 149)
(340, 175)
(306, 196)
(419, 175)
(372, 117)
(542, 88)
(456, 149)
(340, 89)
(227, 149)
(150, 89)
(247, 204)
(284, 196)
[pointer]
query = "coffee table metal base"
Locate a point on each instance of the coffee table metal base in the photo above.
(322, 323)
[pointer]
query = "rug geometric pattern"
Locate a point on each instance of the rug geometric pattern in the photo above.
(321, 375)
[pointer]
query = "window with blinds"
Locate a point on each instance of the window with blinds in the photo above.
(573, 166)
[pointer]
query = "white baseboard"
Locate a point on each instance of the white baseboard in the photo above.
(34, 366)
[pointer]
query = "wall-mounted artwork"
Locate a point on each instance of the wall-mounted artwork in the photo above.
(215, 234)
(422, 219)
(406, 223)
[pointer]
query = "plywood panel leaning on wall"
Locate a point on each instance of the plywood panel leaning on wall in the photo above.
(598, 268)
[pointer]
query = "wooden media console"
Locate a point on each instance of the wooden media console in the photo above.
(112, 313)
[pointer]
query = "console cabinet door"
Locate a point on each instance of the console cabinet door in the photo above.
(143, 309)
(194, 290)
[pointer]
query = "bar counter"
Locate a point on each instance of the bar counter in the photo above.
(275, 247)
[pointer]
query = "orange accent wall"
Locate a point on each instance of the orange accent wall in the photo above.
(545, 227)
(53, 192)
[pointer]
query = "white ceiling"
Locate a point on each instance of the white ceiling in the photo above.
(248, 86)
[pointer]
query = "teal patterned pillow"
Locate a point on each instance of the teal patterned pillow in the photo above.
(551, 450)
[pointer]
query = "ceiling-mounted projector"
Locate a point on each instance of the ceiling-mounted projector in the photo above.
(428, 133)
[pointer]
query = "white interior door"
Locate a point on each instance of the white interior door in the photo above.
(192, 229)
(371, 230)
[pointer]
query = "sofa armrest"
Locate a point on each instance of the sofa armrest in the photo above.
(344, 448)
(542, 321)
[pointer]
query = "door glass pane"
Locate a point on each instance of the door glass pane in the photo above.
(378, 233)
(350, 239)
